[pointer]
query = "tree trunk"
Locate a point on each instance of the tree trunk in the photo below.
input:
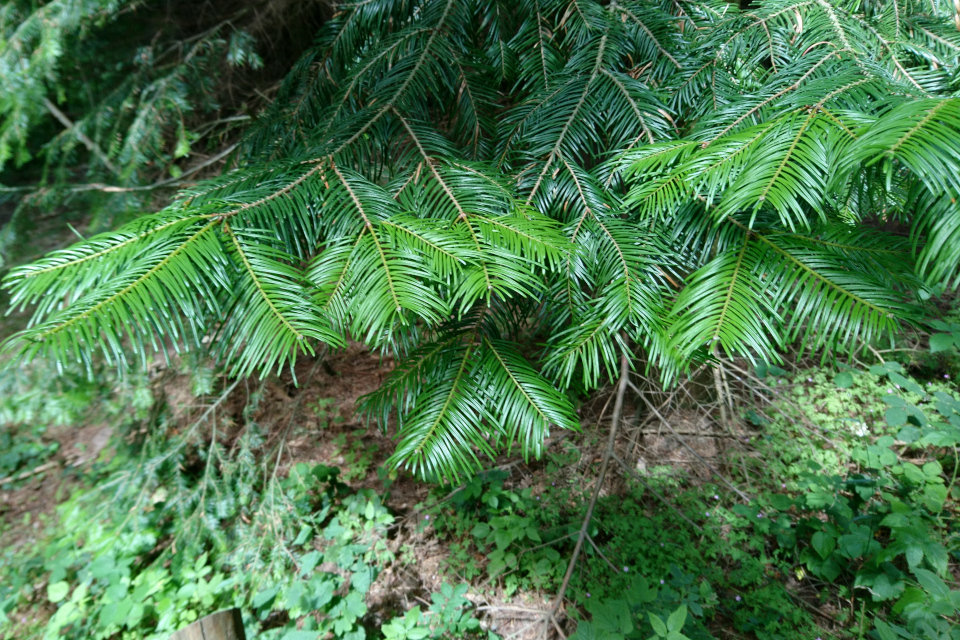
(223, 625)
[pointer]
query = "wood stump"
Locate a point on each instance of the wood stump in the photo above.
(222, 625)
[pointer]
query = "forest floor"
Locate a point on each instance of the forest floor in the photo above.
(314, 421)
(316, 417)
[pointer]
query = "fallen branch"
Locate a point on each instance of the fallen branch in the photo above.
(31, 472)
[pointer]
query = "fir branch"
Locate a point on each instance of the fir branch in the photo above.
(573, 116)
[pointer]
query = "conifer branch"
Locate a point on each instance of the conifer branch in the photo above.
(391, 102)
(256, 281)
(633, 104)
(129, 288)
(917, 127)
(429, 162)
(653, 38)
(417, 453)
(813, 273)
(548, 131)
(105, 252)
(728, 297)
(343, 272)
(376, 241)
(573, 116)
(779, 94)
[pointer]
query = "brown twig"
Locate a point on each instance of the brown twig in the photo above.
(31, 472)
(608, 454)
(92, 146)
(683, 443)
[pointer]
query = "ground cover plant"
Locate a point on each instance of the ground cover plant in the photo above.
(846, 531)
(175, 526)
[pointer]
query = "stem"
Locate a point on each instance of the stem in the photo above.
(721, 396)
(92, 146)
(607, 455)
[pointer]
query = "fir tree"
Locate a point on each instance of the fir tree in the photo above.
(508, 195)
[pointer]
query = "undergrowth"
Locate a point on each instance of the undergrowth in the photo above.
(181, 523)
(850, 530)
(852, 526)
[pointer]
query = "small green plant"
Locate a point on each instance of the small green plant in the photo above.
(357, 456)
(880, 531)
(669, 630)
(649, 612)
(20, 452)
(447, 617)
(946, 338)
(190, 527)
(497, 531)
(326, 413)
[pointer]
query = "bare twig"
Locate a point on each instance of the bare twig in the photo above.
(30, 472)
(666, 423)
(169, 182)
(718, 385)
(110, 188)
(608, 454)
(92, 146)
(601, 554)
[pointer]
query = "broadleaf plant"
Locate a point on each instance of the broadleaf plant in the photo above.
(506, 196)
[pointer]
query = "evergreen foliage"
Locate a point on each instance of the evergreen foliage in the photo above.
(453, 180)
(103, 103)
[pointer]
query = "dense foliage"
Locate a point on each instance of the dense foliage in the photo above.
(170, 530)
(448, 180)
(104, 104)
(506, 200)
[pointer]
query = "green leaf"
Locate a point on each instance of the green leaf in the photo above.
(304, 536)
(906, 383)
(910, 595)
(883, 588)
(503, 538)
(57, 591)
(908, 434)
(885, 630)
(658, 625)
(934, 497)
(940, 342)
(293, 634)
(612, 616)
(823, 543)
(676, 619)
(932, 469)
(355, 604)
(895, 416)
(844, 380)
(265, 597)
(932, 583)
